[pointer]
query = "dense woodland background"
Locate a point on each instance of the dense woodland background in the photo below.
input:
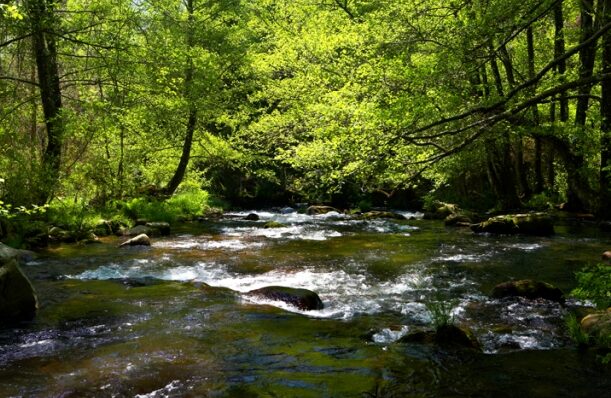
(486, 103)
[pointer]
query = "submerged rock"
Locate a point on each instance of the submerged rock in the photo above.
(252, 217)
(140, 240)
(529, 289)
(538, 224)
(446, 335)
(317, 210)
(17, 297)
(287, 210)
(305, 300)
(370, 215)
(273, 224)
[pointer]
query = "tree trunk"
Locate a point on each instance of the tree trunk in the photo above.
(604, 208)
(587, 57)
(42, 17)
(181, 169)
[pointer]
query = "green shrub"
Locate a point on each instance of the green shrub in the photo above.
(540, 201)
(575, 332)
(594, 284)
(75, 216)
(185, 204)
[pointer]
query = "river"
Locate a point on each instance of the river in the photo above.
(169, 320)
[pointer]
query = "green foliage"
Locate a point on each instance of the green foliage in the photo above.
(441, 312)
(540, 201)
(594, 283)
(575, 332)
(75, 216)
(184, 205)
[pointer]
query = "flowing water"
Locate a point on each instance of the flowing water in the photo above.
(170, 320)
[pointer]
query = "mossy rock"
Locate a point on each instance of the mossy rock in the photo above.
(598, 327)
(445, 336)
(162, 228)
(458, 220)
(529, 289)
(317, 210)
(17, 297)
(440, 210)
(303, 299)
(537, 224)
(372, 215)
(273, 224)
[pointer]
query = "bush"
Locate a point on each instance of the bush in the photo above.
(76, 216)
(185, 204)
(594, 284)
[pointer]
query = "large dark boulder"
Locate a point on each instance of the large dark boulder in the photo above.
(446, 336)
(140, 240)
(303, 299)
(529, 289)
(17, 297)
(538, 224)
(317, 210)
(252, 217)
(162, 228)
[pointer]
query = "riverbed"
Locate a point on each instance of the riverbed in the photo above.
(171, 320)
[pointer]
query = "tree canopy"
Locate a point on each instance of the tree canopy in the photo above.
(488, 103)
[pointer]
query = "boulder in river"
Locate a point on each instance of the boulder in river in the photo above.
(371, 215)
(446, 335)
(17, 298)
(252, 217)
(161, 227)
(140, 240)
(438, 210)
(7, 252)
(538, 224)
(529, 289)
(317, 210)
(303, 299)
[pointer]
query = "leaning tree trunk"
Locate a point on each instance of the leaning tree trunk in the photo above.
(185, 156)
(42, 19)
